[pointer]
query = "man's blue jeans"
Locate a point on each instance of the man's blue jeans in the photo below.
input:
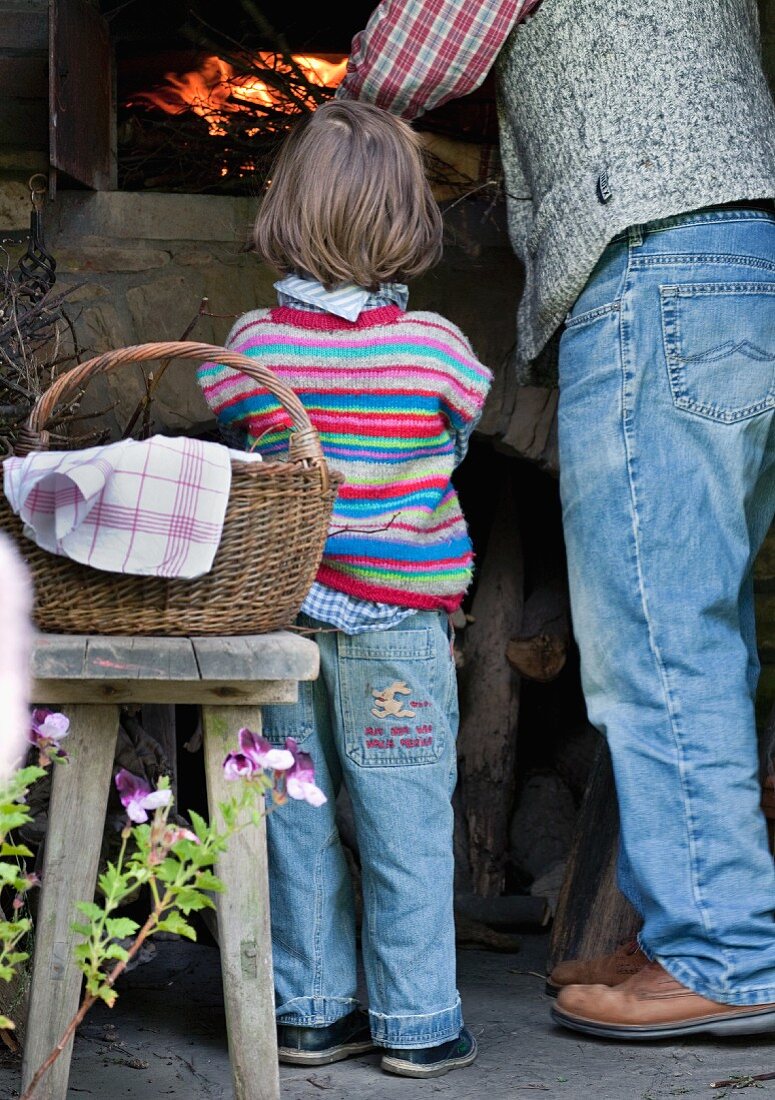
(382, 718)
(667, 394)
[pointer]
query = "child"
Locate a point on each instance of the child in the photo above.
(394, 397)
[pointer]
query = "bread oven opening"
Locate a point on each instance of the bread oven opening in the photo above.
(202, 106)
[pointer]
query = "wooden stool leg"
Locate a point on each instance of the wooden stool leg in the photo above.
(76, 817)
(244, 932)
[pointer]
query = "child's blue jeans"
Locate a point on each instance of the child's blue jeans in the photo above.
(382, 718)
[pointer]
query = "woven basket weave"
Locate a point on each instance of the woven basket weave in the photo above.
(273, 534)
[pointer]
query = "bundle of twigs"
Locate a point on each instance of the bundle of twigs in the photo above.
(36, 342)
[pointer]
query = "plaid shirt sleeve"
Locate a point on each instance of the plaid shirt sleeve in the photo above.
(414, 55)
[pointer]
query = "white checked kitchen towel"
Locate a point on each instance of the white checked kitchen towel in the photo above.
(153, 507)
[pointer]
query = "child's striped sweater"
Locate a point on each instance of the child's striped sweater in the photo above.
(394, 397)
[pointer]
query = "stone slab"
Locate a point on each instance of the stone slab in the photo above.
(132, 215)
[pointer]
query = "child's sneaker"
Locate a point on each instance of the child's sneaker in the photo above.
(432, 1061)
(318, 1046)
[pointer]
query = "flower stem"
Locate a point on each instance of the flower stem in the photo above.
(90, 998)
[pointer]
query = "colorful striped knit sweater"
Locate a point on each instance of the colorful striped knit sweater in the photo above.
(392, 395)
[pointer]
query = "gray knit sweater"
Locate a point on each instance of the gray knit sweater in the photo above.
(615, 113)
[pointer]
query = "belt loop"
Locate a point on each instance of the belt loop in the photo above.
(635, 233)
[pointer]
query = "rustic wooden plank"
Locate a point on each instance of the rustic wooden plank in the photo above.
(593, 917)
(15, 159)
(139, 658)
(24, 122)
(244, 933)
(24, 77)
(281, 655)
(81, 131)
(55, 690)
(58, 656)
(23, 27)
(73, 839)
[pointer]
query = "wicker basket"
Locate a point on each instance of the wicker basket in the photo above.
(273, 534)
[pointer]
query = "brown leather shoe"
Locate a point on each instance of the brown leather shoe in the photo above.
(653, 1005)
(613, 969)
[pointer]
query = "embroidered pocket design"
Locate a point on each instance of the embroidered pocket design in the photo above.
(387, 706)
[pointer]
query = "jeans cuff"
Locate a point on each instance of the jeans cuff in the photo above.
(314, 1011)
(427, 1030)
(741, 996)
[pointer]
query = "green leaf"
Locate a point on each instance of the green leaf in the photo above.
(110, 880)
(115, 951)
(120, 927)
(199, 825)
(174, 922)
(81, 929)
(14, 850)
(188, 899)
(6, 1024)
(107, 994)
(90, 909)
(206, 880)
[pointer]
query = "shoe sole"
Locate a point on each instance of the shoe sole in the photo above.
(411, 1069)
(291, 1057)
(744, 1023)
(551, 990)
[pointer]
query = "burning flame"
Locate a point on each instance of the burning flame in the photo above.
(217, 89)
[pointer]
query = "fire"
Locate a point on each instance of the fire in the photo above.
(216, 89)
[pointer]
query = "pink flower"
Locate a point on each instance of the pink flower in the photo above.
(172, 836)
(237, 766)
(137, 798)
(255, 755)
(300, 780)
(261, 754)
(47, 728)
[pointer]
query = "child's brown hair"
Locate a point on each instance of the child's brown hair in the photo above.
(348, 200)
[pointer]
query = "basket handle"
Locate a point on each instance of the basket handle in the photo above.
(304, 445)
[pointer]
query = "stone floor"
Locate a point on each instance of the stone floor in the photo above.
(166, 1038)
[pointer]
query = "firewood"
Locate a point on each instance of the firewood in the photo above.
(473, 934)
(593, 916)
(540, 650)
(541, 657)
(490, 699)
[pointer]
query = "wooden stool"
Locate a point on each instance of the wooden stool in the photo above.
(87, 677)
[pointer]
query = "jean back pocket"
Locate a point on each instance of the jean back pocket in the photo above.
(394, 687)
(719, 341)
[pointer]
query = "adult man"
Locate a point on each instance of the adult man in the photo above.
(644, 133)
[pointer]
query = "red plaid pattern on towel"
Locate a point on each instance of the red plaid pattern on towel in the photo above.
(153, 507)
(414, 55)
